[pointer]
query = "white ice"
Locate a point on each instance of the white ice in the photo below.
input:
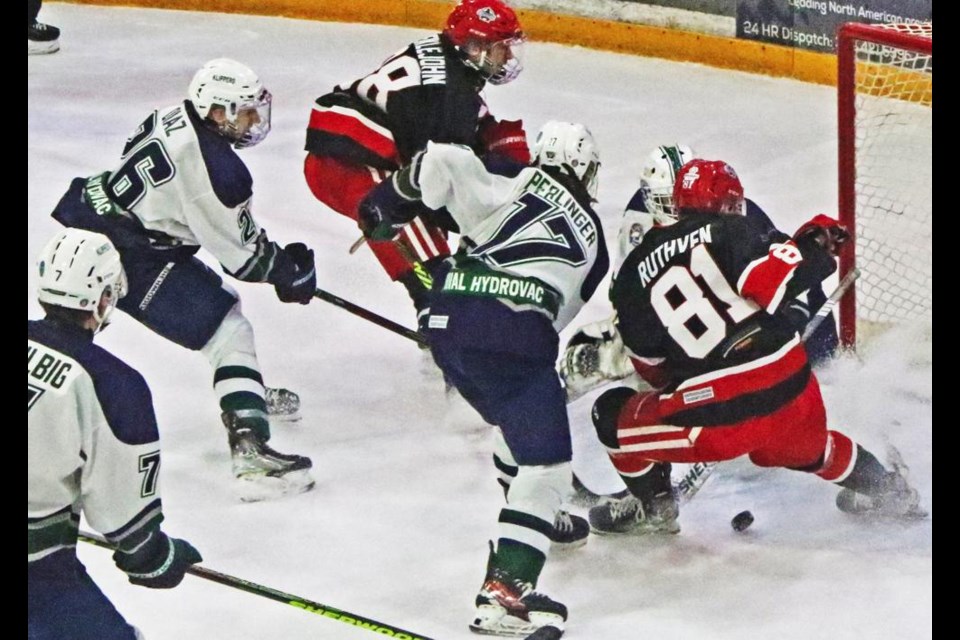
(397, 527)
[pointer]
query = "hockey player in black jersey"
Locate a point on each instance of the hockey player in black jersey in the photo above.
(431, 90)
(594, 355)
(92, 448)
(698, 308)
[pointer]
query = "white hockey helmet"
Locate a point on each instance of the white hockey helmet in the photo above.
(235, 87)
(657, 178)
(77, 269)
(565, 144)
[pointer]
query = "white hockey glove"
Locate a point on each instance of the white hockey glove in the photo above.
(594, 356)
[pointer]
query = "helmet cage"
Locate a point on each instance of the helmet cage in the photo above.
(235, 88)
(657, 178)
(499, 62)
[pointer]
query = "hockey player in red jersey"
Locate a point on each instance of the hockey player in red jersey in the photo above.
(363, 131)
(697, 305)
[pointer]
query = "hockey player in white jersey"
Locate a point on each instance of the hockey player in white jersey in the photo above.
(92, 447)
(180, 186)
(594, 355)
(532, 253)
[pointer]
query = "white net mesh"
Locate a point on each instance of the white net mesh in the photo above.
(894, 178)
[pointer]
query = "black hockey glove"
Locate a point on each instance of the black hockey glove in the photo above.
(160, 563)
(825, 231)
(298, 281)
(382, 212)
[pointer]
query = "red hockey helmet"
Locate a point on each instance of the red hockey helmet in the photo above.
(484, 20)
(708, 185)
(488, 34)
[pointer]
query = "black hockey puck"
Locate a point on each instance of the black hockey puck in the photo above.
(741, 521)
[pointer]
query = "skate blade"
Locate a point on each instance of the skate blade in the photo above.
(504, 632)
(567, 547)
(511, 626)
(644, 530)
(258, 488)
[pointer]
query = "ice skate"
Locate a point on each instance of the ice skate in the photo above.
(584, 497)
(263, 473)
(894, 499)
(510, 607)
(569, 532)
(631, 516)
(282, 404)
(42, 38)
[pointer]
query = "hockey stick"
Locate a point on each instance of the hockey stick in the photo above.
(698, 474)
(273, 594)
(371, 316)
(422, 274)
(830, 303)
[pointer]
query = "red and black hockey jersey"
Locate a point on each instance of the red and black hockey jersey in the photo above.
(423, 92)
(702, 295)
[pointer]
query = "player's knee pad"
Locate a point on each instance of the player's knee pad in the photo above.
(605, 414)
(540, 490)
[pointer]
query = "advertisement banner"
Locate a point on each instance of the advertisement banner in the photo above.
(812, 24)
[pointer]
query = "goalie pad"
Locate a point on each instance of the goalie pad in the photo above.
(594, 356)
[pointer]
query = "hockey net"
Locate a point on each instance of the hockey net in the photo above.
(885, 99)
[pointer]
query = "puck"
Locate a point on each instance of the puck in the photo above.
(741, 521)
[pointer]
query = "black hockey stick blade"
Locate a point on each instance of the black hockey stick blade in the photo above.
(310, 606)
(357, 310)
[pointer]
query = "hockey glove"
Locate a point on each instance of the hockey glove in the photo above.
(297, 282)
(158, 563)
(505, 138)
(594, 355)
(825, 231)
(382, 213)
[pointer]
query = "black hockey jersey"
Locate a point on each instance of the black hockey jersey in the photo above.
(423, 92)
(702, 293)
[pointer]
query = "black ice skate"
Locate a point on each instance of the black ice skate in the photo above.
(631, 516)
(263, 472)
(569, 531)
(42, 38)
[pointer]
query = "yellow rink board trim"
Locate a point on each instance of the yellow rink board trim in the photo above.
(620, 37)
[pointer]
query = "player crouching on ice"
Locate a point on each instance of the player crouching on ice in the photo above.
(699, 310)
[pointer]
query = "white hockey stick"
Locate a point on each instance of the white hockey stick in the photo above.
(830, 303)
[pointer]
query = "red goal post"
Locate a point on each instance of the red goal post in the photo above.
(885, 104)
